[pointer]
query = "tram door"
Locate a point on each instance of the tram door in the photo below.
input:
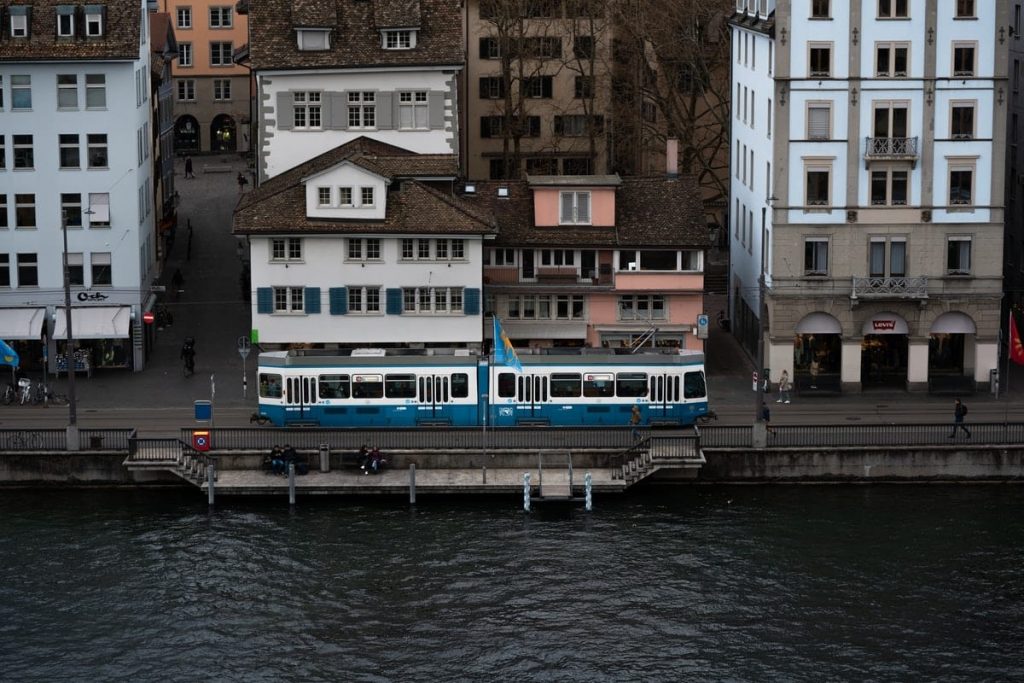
(433, 395)
(300, 396)
(664, 392)
(531, 394)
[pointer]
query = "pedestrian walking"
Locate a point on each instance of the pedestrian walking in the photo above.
(634, 422)
(766, 417)
(959, 413)
(785, 386)
(188, 167)
(242, 182)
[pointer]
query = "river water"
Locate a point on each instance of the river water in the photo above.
(688, 583)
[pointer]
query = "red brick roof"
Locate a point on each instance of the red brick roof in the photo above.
(120, 39)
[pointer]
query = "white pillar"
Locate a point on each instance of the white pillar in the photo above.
(917, 362)
(986, 357)
(850, 373)
(780, 357)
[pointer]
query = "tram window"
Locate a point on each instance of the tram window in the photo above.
(460, 385)
(631, 384)
(270, 386)
(367, 386)
(675, 388)
(506, 385)
(565, 385)
(400, 386)
(694, 386)
(598, 386)
(334, 386)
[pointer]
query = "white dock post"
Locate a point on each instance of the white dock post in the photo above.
(210, 478)
(588, 484)
(291, 483)
(526, 492)
(412, 483)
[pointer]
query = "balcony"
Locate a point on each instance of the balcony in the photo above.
(889, 288)
(891, 149)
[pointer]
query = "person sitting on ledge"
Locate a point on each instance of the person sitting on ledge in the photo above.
(363, 457)
(276, 458)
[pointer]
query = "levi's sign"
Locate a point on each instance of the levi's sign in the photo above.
(884, 324)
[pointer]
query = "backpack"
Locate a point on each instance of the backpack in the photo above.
(963, 409)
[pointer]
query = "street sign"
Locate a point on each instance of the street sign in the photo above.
(148, 317)
(702, 326)
(201, 440)
(244, 347)
(203, 410)
(755, 380)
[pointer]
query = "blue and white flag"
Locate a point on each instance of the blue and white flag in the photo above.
(504, 353)
(8, 356)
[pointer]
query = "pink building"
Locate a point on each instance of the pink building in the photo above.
(595, 260)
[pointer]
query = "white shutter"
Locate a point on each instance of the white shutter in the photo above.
(567, 203)
(583, 207)
(818, 123)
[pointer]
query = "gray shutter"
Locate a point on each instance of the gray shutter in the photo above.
(385, 114)
(264, 300)
(394, 301)
(339, 300)
(436, 100)
(339, 110)
(311, 300)
(326, 104)
(285, 111)
(471, 301)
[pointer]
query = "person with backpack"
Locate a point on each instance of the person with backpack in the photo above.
(188, 355)
(959, 413)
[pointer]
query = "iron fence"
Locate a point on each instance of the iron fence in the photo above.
(106, 439)
(33, 439)
(871, 435)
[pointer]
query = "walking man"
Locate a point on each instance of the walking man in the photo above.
(634, 421)
(188, 167)
(959, 413)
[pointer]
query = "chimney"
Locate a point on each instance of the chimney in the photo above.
(672, 158)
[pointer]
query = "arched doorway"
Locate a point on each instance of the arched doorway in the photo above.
(222, 134)
(817, 353)
(884, 351)
(186, 134)
(950, 352)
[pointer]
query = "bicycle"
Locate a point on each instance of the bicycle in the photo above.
(45, 396)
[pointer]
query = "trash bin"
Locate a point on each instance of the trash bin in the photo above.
(95, 441)
(993, 382)
(325, 458)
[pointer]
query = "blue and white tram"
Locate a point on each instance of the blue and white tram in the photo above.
(404, 388)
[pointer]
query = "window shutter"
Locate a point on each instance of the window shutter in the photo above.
(546, 86)
(485, 52)
(385, 113)
(285, 113)
(471, 301)
(339, 300)
(326, 105)
(485, 127)
(339, 110)
(817, 123)
(566, 207)
(582, 207)
(436, 100)
(394, 302)
(485, 88)
(264, 300)
(312, 300)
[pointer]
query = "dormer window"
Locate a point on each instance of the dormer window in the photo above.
(310, 40)
(65, 21)
(94, 20)
(403, 39)
(575, 208)
(19, 20)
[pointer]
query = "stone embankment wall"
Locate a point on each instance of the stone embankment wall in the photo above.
(90, 468)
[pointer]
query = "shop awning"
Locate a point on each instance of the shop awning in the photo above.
(99, 322)
(21, 323)
(953, 323)
(885, 323)
(819, 323)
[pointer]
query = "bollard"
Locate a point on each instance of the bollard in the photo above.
(588, 485)
(325, 457)
(210, 478)
(485, 475)
(526, 492)
(291, 483)
(412, 483)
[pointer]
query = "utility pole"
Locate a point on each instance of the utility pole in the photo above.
(69, 348)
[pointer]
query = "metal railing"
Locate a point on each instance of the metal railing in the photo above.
(890, 148)
(899, 287)
(33, 439)
(861, 435)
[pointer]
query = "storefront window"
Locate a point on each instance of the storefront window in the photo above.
(816, 361)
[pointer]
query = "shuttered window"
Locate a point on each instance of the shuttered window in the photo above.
(819, 118)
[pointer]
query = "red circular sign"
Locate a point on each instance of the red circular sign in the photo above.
(148, 317)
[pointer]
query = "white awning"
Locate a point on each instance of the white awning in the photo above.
(953, 323)
(819, 323)
(885, 323)
(100, 322)
(21, 323)
(548, 329)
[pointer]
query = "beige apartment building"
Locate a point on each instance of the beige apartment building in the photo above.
(211, 92)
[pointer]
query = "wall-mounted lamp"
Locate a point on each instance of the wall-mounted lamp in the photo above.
(999, 95)
(1002, 35)
(931, 35)
(853, 96)
(855, 33)
(782, 35)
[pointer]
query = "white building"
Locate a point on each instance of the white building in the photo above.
(75, 142)
(868, 151)
(327, 73)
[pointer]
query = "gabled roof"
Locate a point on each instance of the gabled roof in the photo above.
(278, 206)
(649, 212)
(356, 39)
(120, 39)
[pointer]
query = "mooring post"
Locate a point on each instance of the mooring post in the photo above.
(526, 492)
(412, 483)
(210, 478)
(291, 483)
(588, 484)
(485, 475)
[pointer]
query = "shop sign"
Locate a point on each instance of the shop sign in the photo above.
(883, 324)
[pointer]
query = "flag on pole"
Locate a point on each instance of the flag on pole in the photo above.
(504, 353)
(1016, 347)
(9, 356)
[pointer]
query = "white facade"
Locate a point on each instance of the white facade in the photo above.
(884, 228)
(429, 126)
(90, 152)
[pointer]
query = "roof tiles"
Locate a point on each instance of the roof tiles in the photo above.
(120, 39)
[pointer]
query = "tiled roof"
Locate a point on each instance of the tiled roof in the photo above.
(649, 212)
(279, 205)
(120, 39)
(356, 39)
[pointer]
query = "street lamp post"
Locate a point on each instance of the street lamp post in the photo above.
(69, 348)
(761, 308)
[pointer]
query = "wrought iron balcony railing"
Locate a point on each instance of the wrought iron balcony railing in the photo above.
(902, 149)
(890, 288)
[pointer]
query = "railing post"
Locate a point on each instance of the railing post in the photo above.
(291, 483)
(210, 478)
(526, 491)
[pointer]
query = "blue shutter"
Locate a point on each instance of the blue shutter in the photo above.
(394, 302)
(339, 300)
(264, 300)
(471, 301)
(312, 300)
